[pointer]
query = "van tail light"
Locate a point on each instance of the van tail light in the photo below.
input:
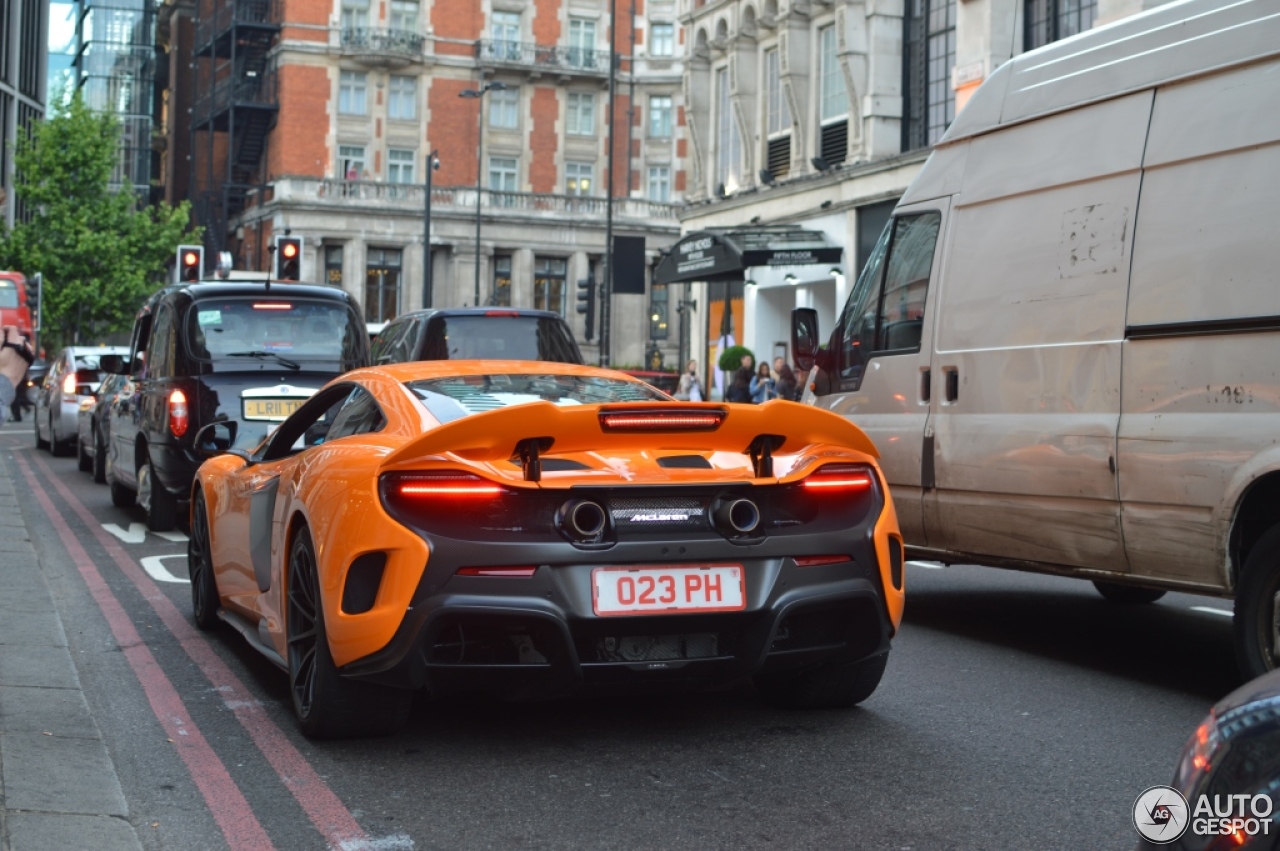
(840, 478)
(69, 387)
(178, 417)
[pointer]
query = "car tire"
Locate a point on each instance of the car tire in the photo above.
(1257, 596)
(833, 686)
(121, 496)
(35, 425)
(327, 705)
(161, 507)
(204, 585)
(1129, 595)
(57, 448)
(99, 459)
(82, 457)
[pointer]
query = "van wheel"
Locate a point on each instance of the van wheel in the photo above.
(1257, 610)
(833, 686)
(326, 704)
(161, 507)
(1130, 595)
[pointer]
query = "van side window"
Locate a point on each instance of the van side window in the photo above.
(161, 348)
(885, 311)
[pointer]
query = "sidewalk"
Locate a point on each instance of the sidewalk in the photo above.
(58, 785)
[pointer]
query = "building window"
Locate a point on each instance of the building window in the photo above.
(548, 283)
(658, 312)
(582, 43)
(404, 15)
(504, 35)
(580, 116)
(929, 44)
(402, 98)
(833, 112)
(333, 265)
(660, 117)
(662, 39)
(1050, 20)
(728, 138)
(777, 118)
(501, 281)
(351, 161)
(504, 108)
(502, 179)
(400, 166)
(351, 92)
(660, 183)
(382, 285)
(578, 178)
(355, 14)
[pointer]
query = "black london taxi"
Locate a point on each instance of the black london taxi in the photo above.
(240, 352)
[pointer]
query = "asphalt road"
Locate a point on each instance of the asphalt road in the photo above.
(1018, 711)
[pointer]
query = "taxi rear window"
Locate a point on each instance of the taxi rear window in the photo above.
(297, 329)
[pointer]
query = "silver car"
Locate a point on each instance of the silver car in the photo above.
(73, 378)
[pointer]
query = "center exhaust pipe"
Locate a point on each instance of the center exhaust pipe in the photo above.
(582, 520)
(735, 517)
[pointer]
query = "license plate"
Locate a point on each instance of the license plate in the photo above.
(270, 409)
(663, 590)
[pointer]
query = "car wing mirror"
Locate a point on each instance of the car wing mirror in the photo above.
(218, 439)
(112, 363)
(804, 337)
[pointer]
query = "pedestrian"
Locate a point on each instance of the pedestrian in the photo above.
(690, 389)
(786, 380)
(763, 387)
(740, 385)
(15, 357)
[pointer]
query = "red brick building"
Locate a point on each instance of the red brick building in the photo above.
(318, 116)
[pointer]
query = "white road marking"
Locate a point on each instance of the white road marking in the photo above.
(176, 537)
(1210, 610)
(395, 842)
(136, 533)
(154, 566)
(931, 565)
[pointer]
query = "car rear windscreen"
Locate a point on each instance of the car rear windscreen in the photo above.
(499, 337)
(452, 398)
(289, 328)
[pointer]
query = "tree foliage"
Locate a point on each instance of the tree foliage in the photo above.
(731, 358)
(101, 250)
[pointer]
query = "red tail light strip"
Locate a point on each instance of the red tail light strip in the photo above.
(522, 570)
(674, 420)
(445, 484)
(814, 561)
(846, 477)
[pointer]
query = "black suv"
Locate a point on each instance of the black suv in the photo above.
(245, 353)
(476, 334)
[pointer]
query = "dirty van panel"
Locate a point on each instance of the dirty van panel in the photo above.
(1201, 406)
(880, 352)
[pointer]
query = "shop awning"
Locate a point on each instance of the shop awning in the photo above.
(724, 254)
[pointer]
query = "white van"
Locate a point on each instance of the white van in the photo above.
(1066, 344)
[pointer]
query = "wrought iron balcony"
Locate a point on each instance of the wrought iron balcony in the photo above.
(380, 197)
(551, 58)
(382, 46)
(225, 14)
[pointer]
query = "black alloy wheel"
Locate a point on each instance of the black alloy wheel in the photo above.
(1256, 625)
(326, 704)
(1129, 595)
(204, 585)
(161, 507)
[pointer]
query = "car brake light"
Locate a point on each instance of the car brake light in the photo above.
(446, 484)
(839, 477)
(814, 561)
(661, 420)
(521, 570)
(178, 419)
(69, 385)
(502, 313)
(261, 305)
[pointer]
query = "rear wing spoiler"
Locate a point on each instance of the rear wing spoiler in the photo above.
(526, 432)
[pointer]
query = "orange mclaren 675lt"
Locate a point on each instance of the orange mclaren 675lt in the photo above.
(535, 529)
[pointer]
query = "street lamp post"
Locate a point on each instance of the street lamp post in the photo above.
(433, 163)
(478, 94)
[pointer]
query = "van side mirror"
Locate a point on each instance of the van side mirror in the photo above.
(804, 337)
(215, 438)
(112, 363)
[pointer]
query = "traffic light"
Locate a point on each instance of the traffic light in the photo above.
(190, 262)
(587, 305)
(288, 258)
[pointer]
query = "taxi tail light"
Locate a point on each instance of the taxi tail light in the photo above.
(178, 416)
(69, 387)
(842, 479)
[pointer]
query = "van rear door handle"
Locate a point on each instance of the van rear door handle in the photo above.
(953, 383)
(925, 384)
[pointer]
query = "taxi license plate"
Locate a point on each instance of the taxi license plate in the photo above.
(270, 409)
(663, 590)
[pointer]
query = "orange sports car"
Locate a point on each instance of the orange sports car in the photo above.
(531, 529)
